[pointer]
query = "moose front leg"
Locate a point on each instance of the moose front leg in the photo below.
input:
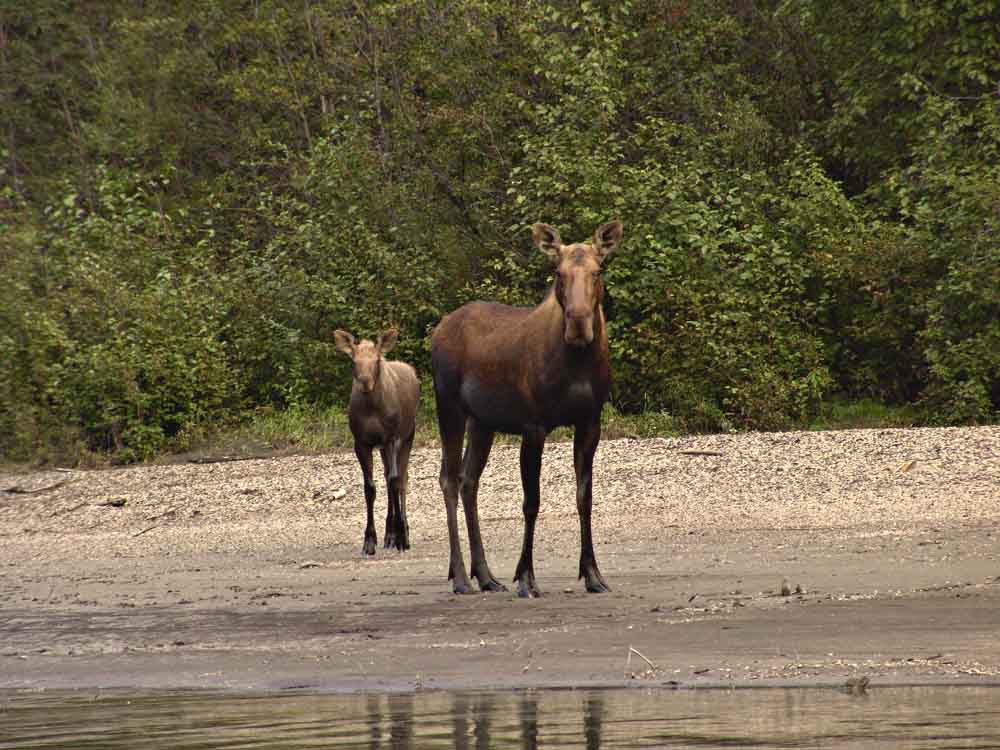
(364, 454)
(404, 474)
(585, 440)
(532, 444)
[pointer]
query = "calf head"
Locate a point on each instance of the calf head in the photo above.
(366, 355)
(578, 284)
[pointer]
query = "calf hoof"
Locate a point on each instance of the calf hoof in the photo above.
(462, 587)
(401, 540)
(390, 540)
(369, 546)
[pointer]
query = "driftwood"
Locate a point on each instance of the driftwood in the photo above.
(18, 490)
(66, 510)
(223, 459)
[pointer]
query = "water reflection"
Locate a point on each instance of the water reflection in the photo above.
(931, 717)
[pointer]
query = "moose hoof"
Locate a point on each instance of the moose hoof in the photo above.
(460, 582)
(527, 592)
(491, 584)
(369, 546)
(593, 579)
(596, 585)
(526, 587)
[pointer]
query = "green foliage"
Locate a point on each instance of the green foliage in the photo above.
(838, 414)
(194, 195)
(118, 329)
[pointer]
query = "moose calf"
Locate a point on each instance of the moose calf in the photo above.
(382, 413)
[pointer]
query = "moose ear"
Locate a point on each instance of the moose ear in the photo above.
(607, 238)
(387, 340)
(546, 239)
(344, 342)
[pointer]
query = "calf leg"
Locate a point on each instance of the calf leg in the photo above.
(585, 442)
(394, 537)
(532, 444)
(364, 454)
(451, 423)
(477, 451)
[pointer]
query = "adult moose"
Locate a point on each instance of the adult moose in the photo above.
(525, 371)
(383, 413)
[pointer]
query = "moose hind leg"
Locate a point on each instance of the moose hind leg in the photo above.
(364, 454)
(532, 444)
(585, 442)
(477, 451)
(451, 423)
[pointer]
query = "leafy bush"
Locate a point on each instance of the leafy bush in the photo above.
(193, 196)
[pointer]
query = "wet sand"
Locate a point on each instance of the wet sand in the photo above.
(248, 575)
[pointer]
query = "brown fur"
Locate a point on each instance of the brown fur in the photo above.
(383, 414)
(525, 371)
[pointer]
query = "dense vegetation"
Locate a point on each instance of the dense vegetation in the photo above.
(194, 194)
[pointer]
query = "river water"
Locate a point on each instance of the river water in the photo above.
(914, 717)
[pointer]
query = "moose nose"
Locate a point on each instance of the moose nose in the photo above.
(579, 329)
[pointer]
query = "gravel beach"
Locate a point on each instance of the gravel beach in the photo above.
(761, 558)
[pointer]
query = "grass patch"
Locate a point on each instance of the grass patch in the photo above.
(297, 430)
(852, 415)
(316, 429)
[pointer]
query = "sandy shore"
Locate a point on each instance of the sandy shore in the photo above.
(248, 574)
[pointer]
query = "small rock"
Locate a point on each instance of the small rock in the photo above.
(310, 564)
(786, 590)
(857, 685)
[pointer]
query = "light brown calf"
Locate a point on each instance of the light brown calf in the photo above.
(383, 414)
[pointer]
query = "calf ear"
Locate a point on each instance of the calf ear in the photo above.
(344, 342)
(546, 239)
(387, 340)
(607, 238)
